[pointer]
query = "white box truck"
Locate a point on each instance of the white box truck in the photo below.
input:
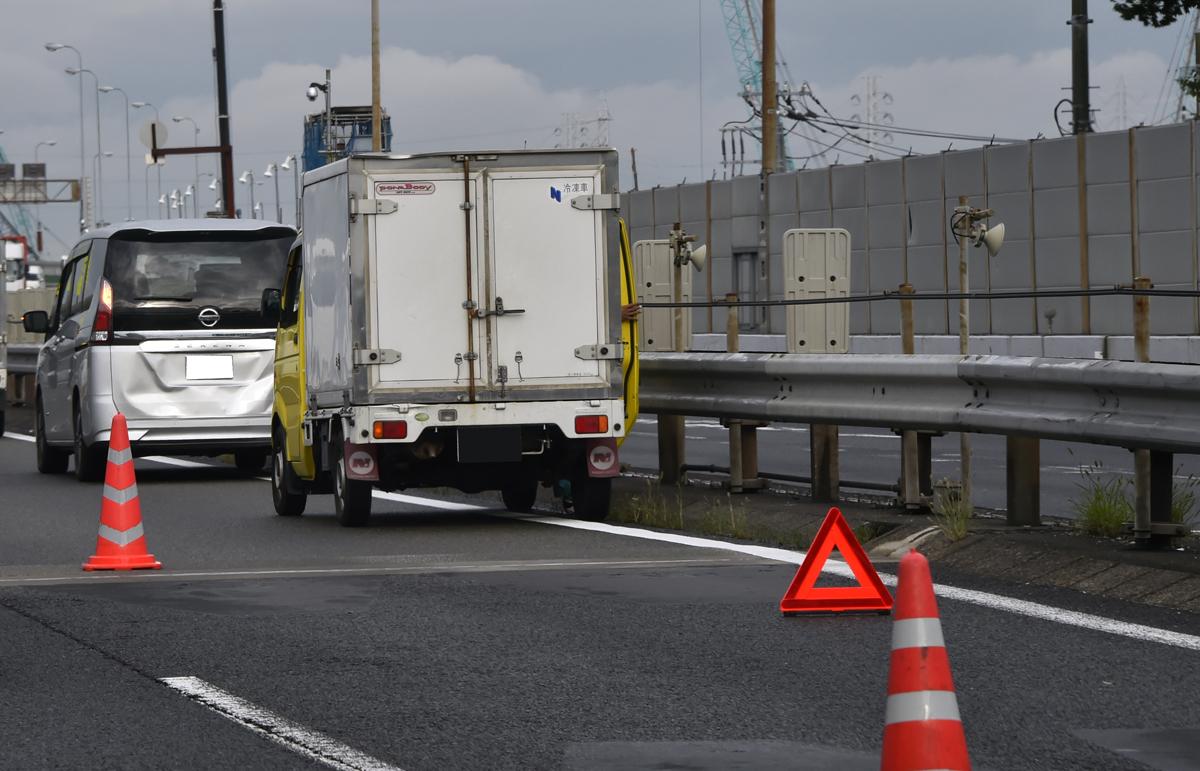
(453, 319)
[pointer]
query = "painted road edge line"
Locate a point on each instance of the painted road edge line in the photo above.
(983, 599)
(295, 737)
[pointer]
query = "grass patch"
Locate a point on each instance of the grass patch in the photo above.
(723, 518)
(1184, 500)
(951, 513)
(650, 508)
(1104, 503)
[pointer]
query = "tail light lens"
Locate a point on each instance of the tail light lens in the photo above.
(591, 424)
(391, 429)
(102, 327)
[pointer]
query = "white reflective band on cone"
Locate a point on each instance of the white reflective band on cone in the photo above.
(119, 457)
(917, 633)
(122, 537)
(922, 705)
(120, 496)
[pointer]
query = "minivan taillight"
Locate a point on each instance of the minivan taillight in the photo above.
(102, 326)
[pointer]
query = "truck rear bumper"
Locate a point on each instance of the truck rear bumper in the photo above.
(420, 417)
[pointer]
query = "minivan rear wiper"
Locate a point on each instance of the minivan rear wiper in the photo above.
(163, 297)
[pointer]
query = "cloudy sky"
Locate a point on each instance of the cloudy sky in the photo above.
(490, 74)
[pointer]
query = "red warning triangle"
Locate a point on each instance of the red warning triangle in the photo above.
(803, 596)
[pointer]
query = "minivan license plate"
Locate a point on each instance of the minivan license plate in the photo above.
(209, 368)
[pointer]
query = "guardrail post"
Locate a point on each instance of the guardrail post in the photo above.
(823, 443)
(910, 465)
(670, 449)
(1024, 480)
(1152, 471)
(735, 426)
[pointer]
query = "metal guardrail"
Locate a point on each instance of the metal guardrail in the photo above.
(22, 358)
(1133, 405)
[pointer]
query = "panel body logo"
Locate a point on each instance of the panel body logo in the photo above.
(404, 188)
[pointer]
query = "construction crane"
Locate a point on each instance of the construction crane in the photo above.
(743, 23)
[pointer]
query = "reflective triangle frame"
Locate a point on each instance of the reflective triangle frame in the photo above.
(803, 595)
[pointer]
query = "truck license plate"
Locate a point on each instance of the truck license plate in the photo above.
(489, 444)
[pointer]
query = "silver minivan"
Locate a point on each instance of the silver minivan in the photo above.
(162, 321)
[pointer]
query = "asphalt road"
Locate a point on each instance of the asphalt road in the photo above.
(445, 636)
(873, 455)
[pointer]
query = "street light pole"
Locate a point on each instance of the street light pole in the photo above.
(195, 158)
(273, 172)
(290, 163)
(99, 147)
(52, 47)
(128, 160)
(248, 178)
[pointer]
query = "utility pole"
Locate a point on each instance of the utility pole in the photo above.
(1080, 94)
(770, 91)
(633, 160)
(376, 110)
(223, 110)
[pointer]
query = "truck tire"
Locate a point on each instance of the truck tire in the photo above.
(351, 497)
(90, 459)
(250, 461)
(284, 481)
(520, 496)
(50, 460)
(591, 498)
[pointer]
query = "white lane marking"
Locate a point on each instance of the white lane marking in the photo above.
(482, 567)
(984, 599)
(293, 736)
(20, 437)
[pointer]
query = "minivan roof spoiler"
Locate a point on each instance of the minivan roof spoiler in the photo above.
(186, 225)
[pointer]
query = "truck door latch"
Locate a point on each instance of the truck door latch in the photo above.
(499, 310)
(502, 378)
(375, 356)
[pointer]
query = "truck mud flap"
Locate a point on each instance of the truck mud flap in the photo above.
(602, 458)
(362, 462)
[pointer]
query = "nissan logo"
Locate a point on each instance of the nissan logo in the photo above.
(209, 317)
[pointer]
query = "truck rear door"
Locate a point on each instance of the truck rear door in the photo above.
(547, 259)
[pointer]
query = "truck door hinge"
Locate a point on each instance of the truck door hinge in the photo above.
(375, 356)
(466, 206)
(601, 352)
(597, 202)
(372, 206)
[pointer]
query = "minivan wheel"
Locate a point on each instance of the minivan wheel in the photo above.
(90, 460)
(50, 460)
(351, 497)
(283, 481)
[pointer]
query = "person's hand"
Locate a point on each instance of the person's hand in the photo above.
(630, 312)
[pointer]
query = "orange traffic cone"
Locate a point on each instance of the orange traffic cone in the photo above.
(121, 543)
(923, 728)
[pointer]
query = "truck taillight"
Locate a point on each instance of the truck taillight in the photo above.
(391, 429)
(591, 424)
(102, 326)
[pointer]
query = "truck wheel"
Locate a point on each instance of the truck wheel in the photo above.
(249, 461)
(50, 460)
(90, 460)
(591, 498)
(520, 496)
(351, 497)
(283, 481)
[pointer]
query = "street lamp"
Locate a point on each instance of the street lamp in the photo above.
(100, 168)
(157, 165)
(128, 161)
(162, 200)
(195, 158)
(52, 47)
(272, 172)
(290, 163)
(314, 90)
(248, 178)
(98, 159)
(39, 145)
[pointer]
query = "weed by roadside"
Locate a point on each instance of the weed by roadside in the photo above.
(1104, 504)
(651, 509)
(1184, 499)
(950, 512)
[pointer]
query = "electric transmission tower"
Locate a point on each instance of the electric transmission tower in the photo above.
(873, 105)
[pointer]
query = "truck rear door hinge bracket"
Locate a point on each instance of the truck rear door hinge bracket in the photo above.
(597, 202)
(375, 356)
(466, 206)
(601, 352)
(372, 206)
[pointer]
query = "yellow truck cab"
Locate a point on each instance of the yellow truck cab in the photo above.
(455, 320)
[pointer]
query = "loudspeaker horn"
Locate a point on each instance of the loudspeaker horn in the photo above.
(992, 239)
(699, 257)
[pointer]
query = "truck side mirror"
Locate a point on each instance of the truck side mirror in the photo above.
(37, 322)
(270, 304)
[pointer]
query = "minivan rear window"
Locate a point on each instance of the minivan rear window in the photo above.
(163, 281)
